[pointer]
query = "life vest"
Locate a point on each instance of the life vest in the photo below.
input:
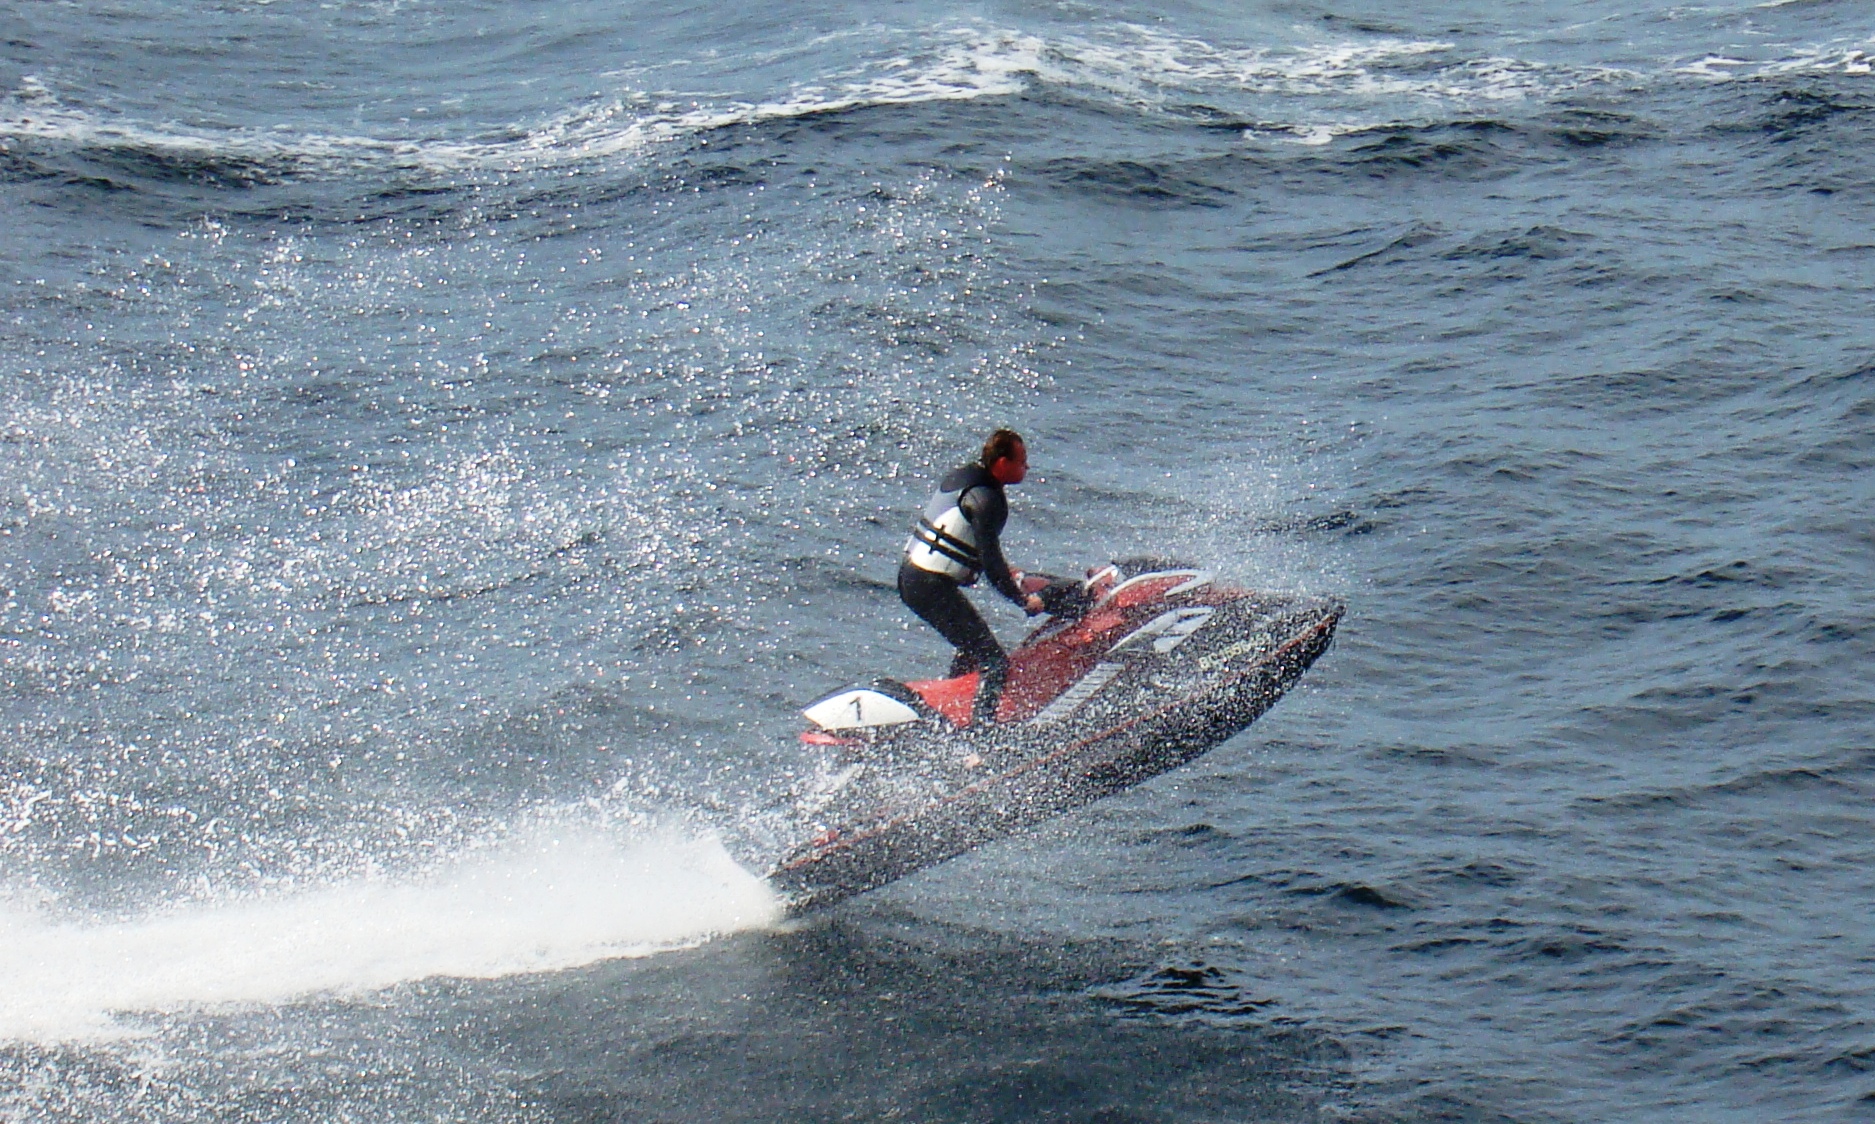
(943, 541)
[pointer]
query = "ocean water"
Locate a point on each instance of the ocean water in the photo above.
(442, 445)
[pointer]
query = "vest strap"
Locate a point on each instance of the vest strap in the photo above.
(949, 546)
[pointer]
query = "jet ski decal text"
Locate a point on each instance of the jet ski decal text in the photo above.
(1253, 645)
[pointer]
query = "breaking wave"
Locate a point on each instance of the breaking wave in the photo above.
(1310, 93)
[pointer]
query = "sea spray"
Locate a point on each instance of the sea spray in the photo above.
(539, 903)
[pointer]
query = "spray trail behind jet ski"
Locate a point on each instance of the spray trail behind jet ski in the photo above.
(539, 904)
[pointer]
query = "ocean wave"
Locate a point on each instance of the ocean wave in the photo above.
(1322, 91)
(1310, 94)
(976, 65)
(1142, 69)
(33, 116)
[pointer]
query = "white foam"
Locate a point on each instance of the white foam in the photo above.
(1339, 70)
(33, 112)
(967, 64)
(541, 905)
(1835, 58)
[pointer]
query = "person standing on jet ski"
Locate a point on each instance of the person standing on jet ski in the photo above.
(956, 538)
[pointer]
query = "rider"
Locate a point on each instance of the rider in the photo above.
(957, 538)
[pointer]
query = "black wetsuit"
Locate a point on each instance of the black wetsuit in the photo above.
(938, 598)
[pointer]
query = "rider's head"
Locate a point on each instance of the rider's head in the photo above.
(1006, 457)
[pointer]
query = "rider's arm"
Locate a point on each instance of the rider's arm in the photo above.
(987, 511)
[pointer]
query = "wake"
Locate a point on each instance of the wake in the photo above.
(533, 906)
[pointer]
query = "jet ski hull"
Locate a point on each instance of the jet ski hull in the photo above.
(921, 793)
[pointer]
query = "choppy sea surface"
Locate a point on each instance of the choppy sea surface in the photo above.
(442, 444)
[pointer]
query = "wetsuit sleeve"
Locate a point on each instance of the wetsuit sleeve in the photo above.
(987, 511)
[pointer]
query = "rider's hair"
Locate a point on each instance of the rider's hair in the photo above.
(1002, 443)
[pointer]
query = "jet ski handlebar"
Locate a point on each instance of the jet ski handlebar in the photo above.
(1061, 597)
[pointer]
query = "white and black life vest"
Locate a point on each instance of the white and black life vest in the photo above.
(943, 541)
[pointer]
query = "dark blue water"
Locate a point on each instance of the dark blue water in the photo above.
(443, 445)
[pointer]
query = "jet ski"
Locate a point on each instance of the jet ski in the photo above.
(1140, 666)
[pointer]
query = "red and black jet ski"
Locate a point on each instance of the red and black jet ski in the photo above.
(1141, 666)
